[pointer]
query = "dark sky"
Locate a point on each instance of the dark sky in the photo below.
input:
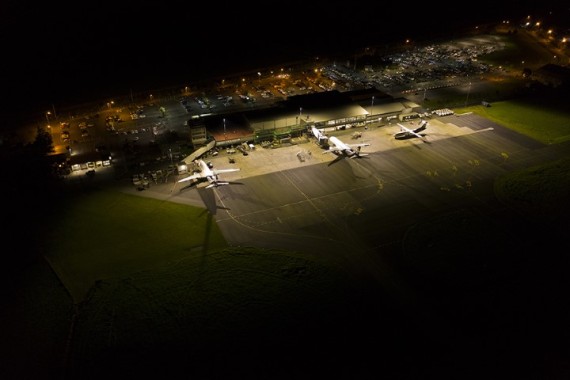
(69, 54)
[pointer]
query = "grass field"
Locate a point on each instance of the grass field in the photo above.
(103, 235)
(549, 125)
(203, 313)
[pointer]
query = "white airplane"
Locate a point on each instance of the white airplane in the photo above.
(209, 174)
(318, 134)
(342, 149)
(406, 133)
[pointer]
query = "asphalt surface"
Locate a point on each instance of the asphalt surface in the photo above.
(320, 206)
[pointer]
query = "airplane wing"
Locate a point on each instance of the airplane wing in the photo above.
(403, 128)
(209, 174)
(218, 171)
(191, 177)
(410, 131)
(345, 149)
(421, 127)
(358, 145)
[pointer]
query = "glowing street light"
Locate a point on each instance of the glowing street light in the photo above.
(47, 118)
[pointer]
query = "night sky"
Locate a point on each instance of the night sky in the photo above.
(65, 55)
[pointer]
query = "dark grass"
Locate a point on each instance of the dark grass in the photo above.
(105, 234)
(479, 295)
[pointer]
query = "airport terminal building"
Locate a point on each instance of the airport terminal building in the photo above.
(292, 117)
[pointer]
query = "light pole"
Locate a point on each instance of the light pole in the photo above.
(468, 91)
(224, 119)
(48, 126)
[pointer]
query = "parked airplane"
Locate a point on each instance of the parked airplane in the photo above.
(406, 133)
(318, 134)
(342, 149)
(209, 174)
(321, 138)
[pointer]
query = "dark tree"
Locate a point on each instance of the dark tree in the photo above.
(29, 190)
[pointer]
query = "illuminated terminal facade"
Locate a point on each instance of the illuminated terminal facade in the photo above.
(292, 117)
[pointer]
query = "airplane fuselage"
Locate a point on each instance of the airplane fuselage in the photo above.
(407, 133)
(341, 149)
(208, 174)
(404, 135)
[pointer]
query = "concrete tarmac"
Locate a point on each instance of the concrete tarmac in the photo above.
(321, 206)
